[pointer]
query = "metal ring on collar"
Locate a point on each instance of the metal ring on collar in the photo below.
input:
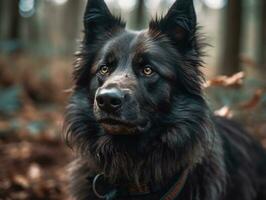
(109, 195)
(94, 186)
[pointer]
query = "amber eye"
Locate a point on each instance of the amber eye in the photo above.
(104, 70)
(147, 71)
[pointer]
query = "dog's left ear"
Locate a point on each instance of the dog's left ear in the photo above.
(179, 24)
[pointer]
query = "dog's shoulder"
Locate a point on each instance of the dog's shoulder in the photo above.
(244, 157)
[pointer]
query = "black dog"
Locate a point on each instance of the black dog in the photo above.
(140, 122)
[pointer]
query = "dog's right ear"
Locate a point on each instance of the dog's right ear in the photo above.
(179, 24)
(98, 20)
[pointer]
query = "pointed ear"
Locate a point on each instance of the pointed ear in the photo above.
(98, 20)
(179, 23)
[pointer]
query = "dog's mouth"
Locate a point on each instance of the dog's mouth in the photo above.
(121, 127)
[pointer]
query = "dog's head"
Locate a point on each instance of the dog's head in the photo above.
(136, 86)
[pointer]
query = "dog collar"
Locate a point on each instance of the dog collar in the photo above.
(141, 190)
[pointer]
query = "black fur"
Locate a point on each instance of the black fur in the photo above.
(173, 127)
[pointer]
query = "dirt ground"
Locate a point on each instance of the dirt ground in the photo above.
(34, 160)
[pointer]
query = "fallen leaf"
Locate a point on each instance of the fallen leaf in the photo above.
(264, 143)
(34, 172)
(235, 80)
(254, 101)
(224, 112)
(248, 61)
(19, 195)
(21, 181)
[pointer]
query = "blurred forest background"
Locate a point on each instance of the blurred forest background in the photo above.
(38, 39)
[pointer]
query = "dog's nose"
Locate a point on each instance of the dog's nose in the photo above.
(110, 100)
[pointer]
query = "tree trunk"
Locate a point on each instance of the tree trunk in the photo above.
(9, 20)
(232, 39)
(71, 23)
(1, 18)
(261, 50)
(14, 21)
(140, 16)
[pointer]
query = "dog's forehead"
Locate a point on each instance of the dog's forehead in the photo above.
(129, 42)
(121, 42)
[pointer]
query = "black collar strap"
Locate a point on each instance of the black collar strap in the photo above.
(175, 190)
(172, 193)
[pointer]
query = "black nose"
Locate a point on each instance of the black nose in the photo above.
(110, 100)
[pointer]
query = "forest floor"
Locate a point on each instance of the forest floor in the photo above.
(33, 156)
